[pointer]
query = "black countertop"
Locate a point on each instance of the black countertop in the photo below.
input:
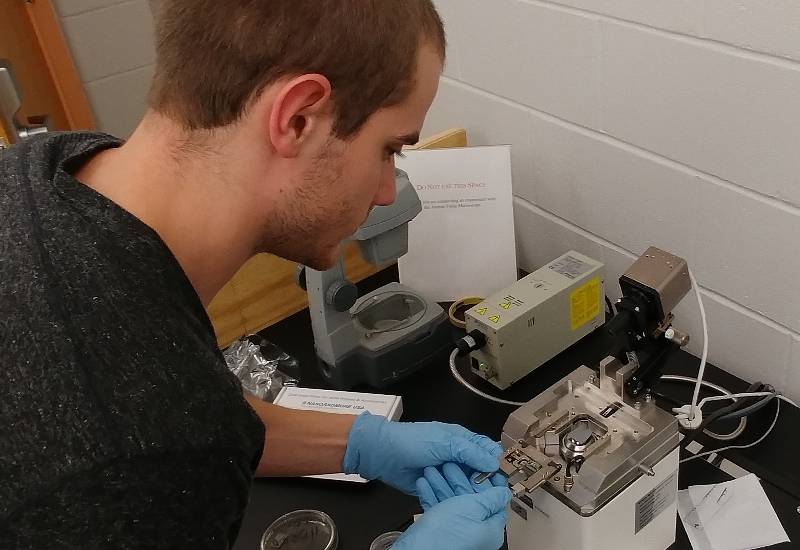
(363, 511)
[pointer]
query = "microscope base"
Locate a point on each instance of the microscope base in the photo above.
(389, 365)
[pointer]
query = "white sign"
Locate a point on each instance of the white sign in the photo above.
(462, 243)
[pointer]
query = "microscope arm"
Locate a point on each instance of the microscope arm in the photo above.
(330, 297)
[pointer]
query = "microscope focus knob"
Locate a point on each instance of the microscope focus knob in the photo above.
(341, 295)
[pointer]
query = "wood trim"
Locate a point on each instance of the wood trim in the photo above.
(449, 139)
(60, 64)
(263, 292)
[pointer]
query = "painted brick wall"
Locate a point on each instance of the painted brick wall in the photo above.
(637, 122)
(112, 44)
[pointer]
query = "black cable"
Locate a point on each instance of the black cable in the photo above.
(610, 306)
(716, 415)
(755, 407)
(748, 446)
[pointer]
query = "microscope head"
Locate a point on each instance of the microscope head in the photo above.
(383, 237)
(652, 288)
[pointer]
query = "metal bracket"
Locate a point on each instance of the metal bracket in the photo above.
(527, 468)
(10, 105)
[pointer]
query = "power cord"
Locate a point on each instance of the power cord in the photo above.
(749, 445)
(714, 435)
(744, 412)
(473, 389)
(787, 400)
(716, 415)
(471, 342)
(610, 306)
(738, 410)
(704, 358)
(690, 416)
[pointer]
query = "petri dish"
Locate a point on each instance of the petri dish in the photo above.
(385, 541)
(301, 530)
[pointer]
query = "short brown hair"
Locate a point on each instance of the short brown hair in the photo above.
(215, 56)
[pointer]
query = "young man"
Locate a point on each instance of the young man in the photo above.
(272, 127)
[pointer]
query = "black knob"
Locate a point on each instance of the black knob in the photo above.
(341, 295)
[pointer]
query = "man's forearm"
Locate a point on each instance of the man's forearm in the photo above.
(301, 442)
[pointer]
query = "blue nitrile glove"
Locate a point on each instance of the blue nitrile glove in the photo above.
(450, 480)
(398, 452)
(465, 522)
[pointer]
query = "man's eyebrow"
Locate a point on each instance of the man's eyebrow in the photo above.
(408, 139)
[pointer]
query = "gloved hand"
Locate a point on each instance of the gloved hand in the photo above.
(398, 452)
(450, 480)
(467, 522)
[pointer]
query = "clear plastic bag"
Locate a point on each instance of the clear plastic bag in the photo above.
(261, 369)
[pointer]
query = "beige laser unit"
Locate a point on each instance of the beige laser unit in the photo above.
(536, 318)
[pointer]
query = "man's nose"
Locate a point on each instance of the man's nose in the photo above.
(387, 192)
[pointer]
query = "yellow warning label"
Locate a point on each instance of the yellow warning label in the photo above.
(585, 303)
(481, 311)
(494, 318)
(505, 305)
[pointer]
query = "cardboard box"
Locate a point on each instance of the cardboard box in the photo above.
(341, 402)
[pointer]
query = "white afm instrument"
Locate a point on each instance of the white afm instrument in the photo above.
(592, 461)
(590, 468)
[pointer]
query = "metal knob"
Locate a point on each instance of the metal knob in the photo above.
(341, 295)
(676, 337)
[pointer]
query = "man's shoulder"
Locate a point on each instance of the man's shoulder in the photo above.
(46, 150)
(108, 351)
(28, 169)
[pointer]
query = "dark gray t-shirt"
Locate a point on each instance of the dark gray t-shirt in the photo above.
(120, 425)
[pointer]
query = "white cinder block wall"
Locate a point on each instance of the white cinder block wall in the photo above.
(112, 45)
(635, 122)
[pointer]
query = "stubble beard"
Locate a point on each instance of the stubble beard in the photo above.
(300, 232)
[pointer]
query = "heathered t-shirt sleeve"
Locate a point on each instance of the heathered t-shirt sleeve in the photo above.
(120, 425)
(172, 501)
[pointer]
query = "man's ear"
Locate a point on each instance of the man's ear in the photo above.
(299, 111)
